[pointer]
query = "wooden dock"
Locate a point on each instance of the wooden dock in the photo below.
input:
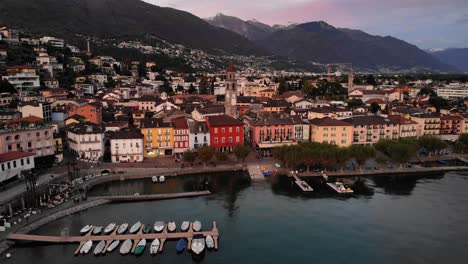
(149, 197)
(335, 187)
(163, 237)
(255, 173)
(304, 186)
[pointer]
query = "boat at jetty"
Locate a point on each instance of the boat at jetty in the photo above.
(126, 247)
(198, 244)
(86, 247)
(340, 187)
(97, 230)
(147, 229)
(162, 179)
(99, 248)
(122, 228)
(159, 226)
(109, 228)
(154, 179)
(135, 228)
(113, 245)
(154, 247)
(180, 246)
(140, 247)
(209, 242)
(197, 226)
(171, 226)
(184, 226)
(86, 229)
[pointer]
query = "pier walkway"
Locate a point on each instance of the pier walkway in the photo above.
(149, 197)
(304, 186)
(165, 235)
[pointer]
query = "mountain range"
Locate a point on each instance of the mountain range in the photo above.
(456, 57)
(316, 42)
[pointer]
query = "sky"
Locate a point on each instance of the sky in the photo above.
(426, 23)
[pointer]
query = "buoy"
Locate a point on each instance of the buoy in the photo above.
(8, 255)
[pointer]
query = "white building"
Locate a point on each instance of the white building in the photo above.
(86, 140)
(126, 146)
(54, 42)
(199, 135)
(26, 80)
(453, 91)
(13, 163)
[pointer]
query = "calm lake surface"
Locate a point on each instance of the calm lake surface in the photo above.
(406, 219)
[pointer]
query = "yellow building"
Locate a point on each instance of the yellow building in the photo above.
(158, 137)
(333, 131)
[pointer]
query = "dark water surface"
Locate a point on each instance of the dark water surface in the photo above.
(407, 219)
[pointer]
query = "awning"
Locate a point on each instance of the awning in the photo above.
(276, 144)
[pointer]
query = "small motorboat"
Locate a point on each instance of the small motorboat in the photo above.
(99, 248)
(86, 247)
(162, 179)
(109, 228)
(86, 229)
(147, 229)
(122, 228)
(97, 230)
(154, 179)
(135, 228)
(140, 247)
(184, 226)
(180, 246)
(113, 245)
(154, 247)
(209, 242)
(126, 247)
(171, 226)
(197, 226)
(198, 244)
(159, 226)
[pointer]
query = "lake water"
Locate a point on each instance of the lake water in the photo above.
(410, 219)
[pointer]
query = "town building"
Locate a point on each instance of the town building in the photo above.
(451, 125)
(91, 111)
(332, 131)
(230, 100)
(199, 134)
(12, 165)
(370, 129)
(126, 146)
(408, 127)
(181, 136)
(86, 140)
(23, 78)
(225, 132)
(430, 123)
(452, 91)
(158, 137)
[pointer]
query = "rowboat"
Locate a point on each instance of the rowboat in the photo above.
(122, 228)
(113, 245)
(86, 247)
(147, 229)
(180, 246)
(198, 244)
(209, 242)
(162, 179)
(126, 247)
(171, 226)
(184, 226)
(109, 228)
(140, 247)
(154, 179)
(99, 248)
(197, 226)
(154, 247)
(97, 230)
(135, 227)
(86, 229)
(159, 226)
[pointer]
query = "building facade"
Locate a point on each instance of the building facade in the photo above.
(230, 101)
(332, 131)
(199, 134)
(369, 130)
(12, 164)
(225, 132)
(158, 137)
(86, 140)
(126, 146)
(181, 136)
(91, 111)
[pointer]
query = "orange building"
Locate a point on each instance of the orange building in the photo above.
(91, 111)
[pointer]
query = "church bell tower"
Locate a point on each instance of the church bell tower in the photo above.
(230, 101)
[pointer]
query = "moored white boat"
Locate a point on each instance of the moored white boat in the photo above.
(197, 226)
(86, 247)
(209, 242)
(135, 227)
(109, 228)
(97, 230)
(122, 228)
(162, 179)
(154, 247)
(126, 247)
(86, 229)
(184, 226)
(113, 245)
(154, 179)
(159, 226)
(171, 226)
(198, 244)
(99, 248)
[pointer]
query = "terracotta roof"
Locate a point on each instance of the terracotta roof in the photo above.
(154, 123)
(451, 117)
(126, 134)
(327, 121)
(223, 120)
(402, 120)
(375, 100)
(180, 123)
(30, 119)
(84, 128)
(369, 120)
(14, 155)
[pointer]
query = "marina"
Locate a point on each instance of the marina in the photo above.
(133, 243)
(340, 188)
(304, 186)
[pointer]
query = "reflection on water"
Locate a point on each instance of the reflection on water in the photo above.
(390, 219)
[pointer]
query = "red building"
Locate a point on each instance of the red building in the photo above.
(225, 132)
(181, 135)
(91, 111)
(451, 125)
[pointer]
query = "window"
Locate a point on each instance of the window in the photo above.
(22, 162)
(216, 140)
(27, 161)
(38, 134)
(3, 167)
(216, 130)
(17, 137)
(29, 144)
(223, 130)
(230, 139)
(237, 139)
(223, 140)
(14, 164)
(8, 138)
(9, 165)
(230, 130)
(46, 133)
(9, 147)
(237, 129)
